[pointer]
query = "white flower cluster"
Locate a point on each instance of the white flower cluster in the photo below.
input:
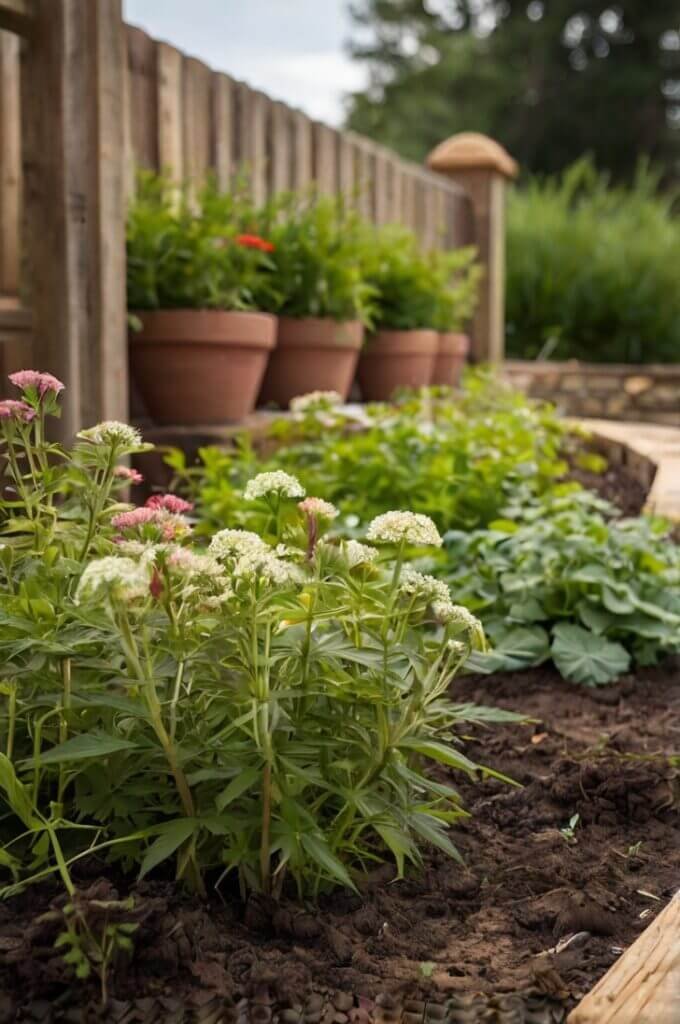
(412, 527)
(315, 400)
(452, 614)
(318, 507)
(277, 482)
(236, 544)
(190, 563)
(112, 432)
(252, 557)
(417, 583)
(359, 554)
(124, 577)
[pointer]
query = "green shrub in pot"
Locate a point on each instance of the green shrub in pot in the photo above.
(457, 278)
(195, 275)
(401, 352)
(317, 287)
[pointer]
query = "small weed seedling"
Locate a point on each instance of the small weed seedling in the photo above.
(569, 831)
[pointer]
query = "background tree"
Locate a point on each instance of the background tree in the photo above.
(550, 79)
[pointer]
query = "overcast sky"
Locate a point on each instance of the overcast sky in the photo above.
(290, 49)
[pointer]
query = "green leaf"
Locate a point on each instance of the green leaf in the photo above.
(16, 794)
(173, 835)
(323, 856)
(399, 844)
(87, 745)
(243, 781)
(439, 752)
(430, 829)
(586, 658)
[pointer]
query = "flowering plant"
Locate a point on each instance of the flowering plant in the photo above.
(316, 263)
(194, 254)
(266, 706)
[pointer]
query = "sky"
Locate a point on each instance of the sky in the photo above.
(290, 49)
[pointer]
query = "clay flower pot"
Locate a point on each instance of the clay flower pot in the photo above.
(200, 365)
(451, 355)
(396, 359)
(312, 354)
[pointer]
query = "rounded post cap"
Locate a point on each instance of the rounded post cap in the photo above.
(472, 151)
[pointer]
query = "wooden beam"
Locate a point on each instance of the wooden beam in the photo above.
(643, 986)
(73, 162)
(17, 16)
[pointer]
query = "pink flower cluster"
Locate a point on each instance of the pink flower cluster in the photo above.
(42, 382)
(163, 510)
(10, 409)
(133, 476)
(170, 503)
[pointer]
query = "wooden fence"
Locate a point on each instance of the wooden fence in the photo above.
(182, 117)
(84, 101)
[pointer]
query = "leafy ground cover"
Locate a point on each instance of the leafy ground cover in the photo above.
(553, 571)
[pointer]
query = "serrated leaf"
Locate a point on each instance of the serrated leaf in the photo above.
(86, 745)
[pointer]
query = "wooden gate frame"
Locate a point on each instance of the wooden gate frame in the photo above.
(74, 198)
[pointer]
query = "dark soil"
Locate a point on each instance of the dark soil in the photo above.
(617, 484)
(447, 945)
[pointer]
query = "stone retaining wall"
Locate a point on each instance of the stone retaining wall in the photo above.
(649, 393)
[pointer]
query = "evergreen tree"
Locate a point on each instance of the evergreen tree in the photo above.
(550, 79)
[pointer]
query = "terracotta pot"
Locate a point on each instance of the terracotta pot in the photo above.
(200, 365)
(451, 355)
(396, 359)
(312, 354)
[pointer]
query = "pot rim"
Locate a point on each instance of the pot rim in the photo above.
(230, 328)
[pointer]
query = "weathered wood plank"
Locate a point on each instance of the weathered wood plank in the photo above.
(251, 138)
(72, 102)
(302, 151)
(143, 99)
(10, 163)
(280, 149)
(223, 129)
(643, 986)
(324, 158)
(197, 120)
(170, 84)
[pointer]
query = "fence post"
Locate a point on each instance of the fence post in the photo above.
(74, 202)
(482, 167)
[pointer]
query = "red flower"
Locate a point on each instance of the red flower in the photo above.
(254, 242)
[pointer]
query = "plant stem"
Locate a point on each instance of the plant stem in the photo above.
(265, 867)
(11, 721)
(63, 723)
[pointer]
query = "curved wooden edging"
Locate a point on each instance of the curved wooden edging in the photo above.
(643, 986)
(652, 453)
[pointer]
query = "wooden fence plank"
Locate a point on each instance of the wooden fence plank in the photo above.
(251, 138)
(280, 149)
(170, 111)
(223, 129)
(197, 120)
(643, 986)
(10, 163)
(324, 158)
(143, 99)
(365, 171)
(302, 151)
(346, 168)
(72, 102)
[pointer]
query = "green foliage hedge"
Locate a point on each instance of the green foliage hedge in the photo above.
(593, 269)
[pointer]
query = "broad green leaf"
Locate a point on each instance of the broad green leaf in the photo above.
(87, 745)
(586, 658)
(243, 781)
(172, 836)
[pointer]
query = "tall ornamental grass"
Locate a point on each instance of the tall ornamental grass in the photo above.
(593, 269)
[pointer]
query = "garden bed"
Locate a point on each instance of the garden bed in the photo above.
(464, 938)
